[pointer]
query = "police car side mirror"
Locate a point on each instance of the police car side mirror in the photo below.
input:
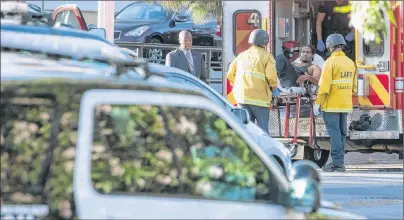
(98, 31)
(304, 195)
(242, 114)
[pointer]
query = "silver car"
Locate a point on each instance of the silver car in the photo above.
(270, 145)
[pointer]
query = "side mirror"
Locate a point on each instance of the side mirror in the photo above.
(99, 32)
(171, 24)
(305, 169)
(242, 114)
(304, 195)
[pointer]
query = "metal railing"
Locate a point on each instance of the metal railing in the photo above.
(156, 53)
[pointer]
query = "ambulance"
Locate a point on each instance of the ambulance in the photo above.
(376, 123)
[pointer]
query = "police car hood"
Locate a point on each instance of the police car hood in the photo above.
(271, 145)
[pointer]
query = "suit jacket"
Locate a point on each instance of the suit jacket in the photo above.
(178, 60)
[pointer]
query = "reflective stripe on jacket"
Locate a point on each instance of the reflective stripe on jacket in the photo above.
(253, 75)
(338, 83)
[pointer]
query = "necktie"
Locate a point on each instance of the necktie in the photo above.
(188, 55)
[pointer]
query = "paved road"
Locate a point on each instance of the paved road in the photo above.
(373, 189)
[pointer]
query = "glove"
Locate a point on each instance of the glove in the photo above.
(276, 92)
(320, 46)
(316, 109)
(349, 36)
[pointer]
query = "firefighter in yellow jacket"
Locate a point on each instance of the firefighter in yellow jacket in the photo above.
(253, 77)
(338, 83)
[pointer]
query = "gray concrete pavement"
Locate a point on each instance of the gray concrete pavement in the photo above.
(371, 187)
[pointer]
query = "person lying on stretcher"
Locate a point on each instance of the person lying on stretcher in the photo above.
(292, 75)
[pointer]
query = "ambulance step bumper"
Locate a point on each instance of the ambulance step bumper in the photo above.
(369, 135)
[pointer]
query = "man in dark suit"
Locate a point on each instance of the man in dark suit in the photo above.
(186, 59)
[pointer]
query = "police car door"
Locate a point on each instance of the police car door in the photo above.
(124, 167)
(239, 19)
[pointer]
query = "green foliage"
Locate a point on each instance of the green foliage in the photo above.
(368, 18)
(213, 160)
(199, 10)
(26, 131)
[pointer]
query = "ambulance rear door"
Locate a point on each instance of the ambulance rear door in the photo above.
(239, 19)
(374, 65)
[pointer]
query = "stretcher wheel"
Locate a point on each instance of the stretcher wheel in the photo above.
(320, 158)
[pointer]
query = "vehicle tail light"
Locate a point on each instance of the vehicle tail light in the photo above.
(218, 30)
(219, 27)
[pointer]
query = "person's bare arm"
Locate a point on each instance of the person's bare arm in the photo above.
(313, 75)
(319, 25)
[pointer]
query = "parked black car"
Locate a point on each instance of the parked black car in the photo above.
(151, 23)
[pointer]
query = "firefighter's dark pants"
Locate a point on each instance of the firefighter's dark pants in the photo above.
(336, 125)
(261, 114)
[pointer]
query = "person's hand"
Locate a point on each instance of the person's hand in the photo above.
(302, 78)
(276, 92)
(316, 109)
(349, 36)
(320, 46)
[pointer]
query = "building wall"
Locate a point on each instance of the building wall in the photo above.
(90, 17)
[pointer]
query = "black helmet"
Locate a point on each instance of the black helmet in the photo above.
(259, 37)
(335, 40)
(305, 169)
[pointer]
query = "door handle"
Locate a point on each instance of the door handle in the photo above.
(359, 64)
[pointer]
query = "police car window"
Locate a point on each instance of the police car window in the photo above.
(244, 22)
(174, 151)
(25, 142)
(38, 141)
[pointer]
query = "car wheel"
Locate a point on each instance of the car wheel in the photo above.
(155, 55)
(320, 157)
